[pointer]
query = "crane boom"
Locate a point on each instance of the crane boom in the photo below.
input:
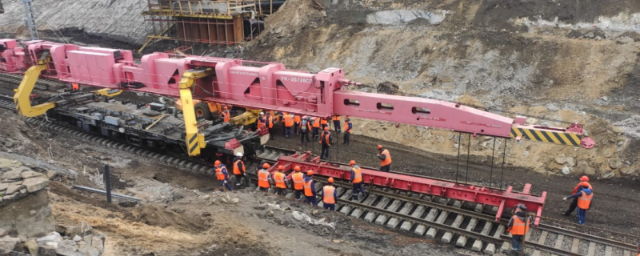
(271, 86)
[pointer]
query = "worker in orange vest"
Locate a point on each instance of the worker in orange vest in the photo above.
(638, 248)
(239, 170)
(222, 175)
(298, 181)
(315, 125)
(280, 178)
(288, 125)
(262, 121)
(329, 196)
(577, 189)
(296, 123)
(310, 189)
(584, 201)
(325, 140)
(385, 159)
(324, 123)
(305, 129)
(347, 131)
(264, 178)
(336, 124)
(356, 180)
(518, 226)
(75, 87)
(226, 115)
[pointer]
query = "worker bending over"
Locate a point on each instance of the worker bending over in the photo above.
(336, 124)
(226, 115)
(356, 180)
(315, 125)
(296, 124)
(325, 140)
(518, 226)
(310, 189)
(264, 178)
(298, 181)
(288, 125)
(385, 159)
(279, 177)
(329, 196)
(239, 170)
(305, 129)
(577, 189)
(584, 201)
(347, 131)
(222, 175)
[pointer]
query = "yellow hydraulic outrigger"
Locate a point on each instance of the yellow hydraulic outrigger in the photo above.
(21, 98)
(195, 140)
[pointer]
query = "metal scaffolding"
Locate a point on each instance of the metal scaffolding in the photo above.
(30, 20)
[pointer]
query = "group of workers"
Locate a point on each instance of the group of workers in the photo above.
(304, 125)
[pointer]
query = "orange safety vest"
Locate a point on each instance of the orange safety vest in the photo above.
(386, 161)
(270, 121)
(346, 127)
(219, 173)
(316, 123)
(75, 86)
(575, 190)
(323, 121)
(328, 195)
(262, 124)
(279, 177)
(236, 170)
(226, 115)
(308, 189)
(584, 201)
(263, 179)
(326, 136)
(297, 118)
(288, 121)
(519, 227)
(298, 181)
(336, 118)
(357, 174)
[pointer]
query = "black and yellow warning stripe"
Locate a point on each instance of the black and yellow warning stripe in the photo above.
(561, 138)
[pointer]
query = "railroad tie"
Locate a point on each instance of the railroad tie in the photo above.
(491, 247)
(479, 207)
(394, 222)
(574, 245)
(431, 233)
(345, 208)
(608, 251)
(543, 237)
(462, 240)
(477, 245)
(627, 253)
(406, 226)
(421, 229)
(592, 249)
(358, 211)
(392, 207)
(456, 223)
(559, 240)
(371, 216)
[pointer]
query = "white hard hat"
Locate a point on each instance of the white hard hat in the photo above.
(261, 113)
(239, 154)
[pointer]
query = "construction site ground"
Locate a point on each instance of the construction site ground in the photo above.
(183, 215)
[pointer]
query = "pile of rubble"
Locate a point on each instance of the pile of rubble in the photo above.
(77, 241)
(20, 182)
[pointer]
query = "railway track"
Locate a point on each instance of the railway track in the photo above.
(449, 221)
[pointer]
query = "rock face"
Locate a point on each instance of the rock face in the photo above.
(24, 203)
(89, 244)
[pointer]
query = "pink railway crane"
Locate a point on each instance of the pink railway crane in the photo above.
(271, 86)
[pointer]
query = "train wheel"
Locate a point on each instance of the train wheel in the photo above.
(202, 111)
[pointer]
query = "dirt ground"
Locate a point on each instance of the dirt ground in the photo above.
(615, 204)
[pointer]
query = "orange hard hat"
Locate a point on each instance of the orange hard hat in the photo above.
(296, 168)
(330, 180)
(309, 173)
(352, 162)
(216, 163)
(280, 167)
(266, 166)
(585, 184)
(326, 128)
(584, 178)
(379, 146)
